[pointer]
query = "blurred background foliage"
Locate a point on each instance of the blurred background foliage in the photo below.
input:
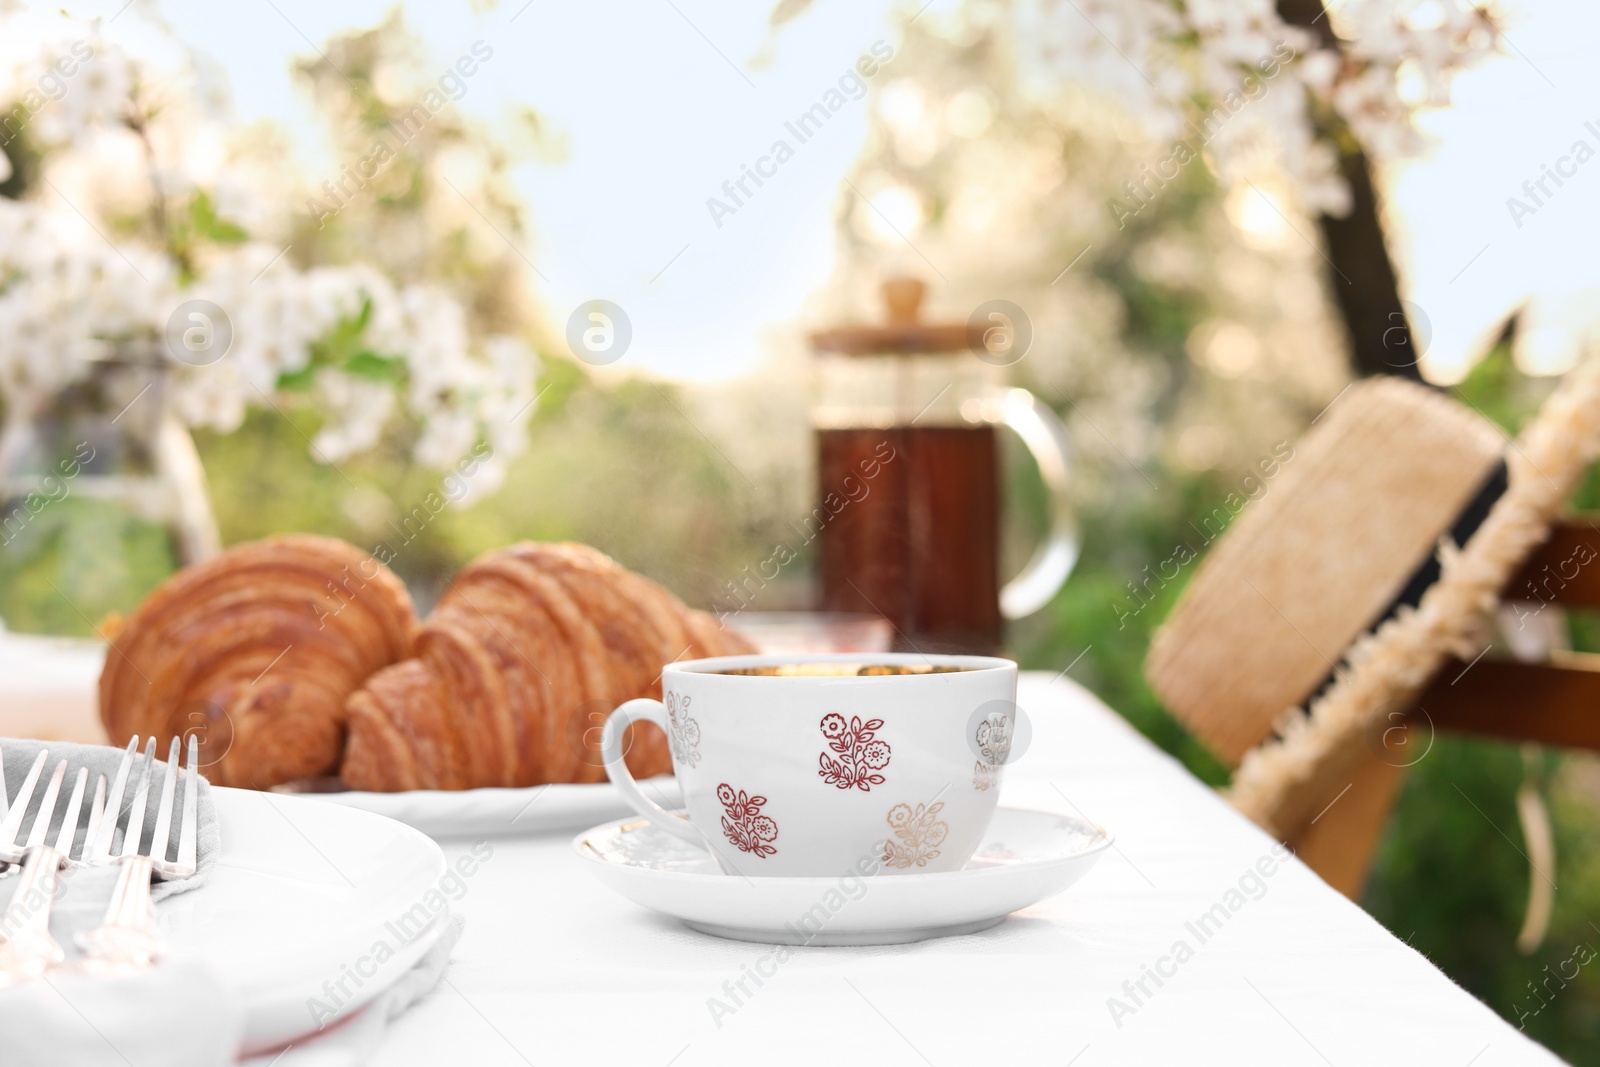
(1187, 346)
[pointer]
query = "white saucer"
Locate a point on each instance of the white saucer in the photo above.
(1025, 857)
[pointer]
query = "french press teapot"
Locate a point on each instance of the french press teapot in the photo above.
(908, 476)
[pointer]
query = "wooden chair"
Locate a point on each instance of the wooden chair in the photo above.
(1555, 702)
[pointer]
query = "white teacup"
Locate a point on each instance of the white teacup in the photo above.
(817, 774)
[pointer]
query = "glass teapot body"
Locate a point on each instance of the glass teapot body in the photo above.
(908, 496)
(908, 476)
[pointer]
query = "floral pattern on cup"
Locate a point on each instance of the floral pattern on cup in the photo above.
(743, 824)
(918, 835)
(683, 732)
(860, 755)
(993, 738)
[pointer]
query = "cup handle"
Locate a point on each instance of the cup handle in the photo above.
(1046, 439)
(617, 768)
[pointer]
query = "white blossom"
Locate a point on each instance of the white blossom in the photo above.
(70, 299)
(1167, 61)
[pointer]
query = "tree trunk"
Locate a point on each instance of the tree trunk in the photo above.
(1362, 275)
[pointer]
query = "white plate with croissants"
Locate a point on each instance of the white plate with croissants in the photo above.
(301, 665)
(444, 813)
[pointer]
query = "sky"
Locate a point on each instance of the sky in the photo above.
(659, 102)
(1467, 258)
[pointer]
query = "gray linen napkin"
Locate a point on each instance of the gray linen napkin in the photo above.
(180, 1014)
(177, 1015)
(19, 756)
(352, 1042)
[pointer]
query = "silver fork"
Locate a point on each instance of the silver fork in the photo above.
(11, 816)
(11, 826)
(128, 938)
(100, 850)
(26, 947)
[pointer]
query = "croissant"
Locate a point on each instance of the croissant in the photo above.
(525, 655)
(256, 651)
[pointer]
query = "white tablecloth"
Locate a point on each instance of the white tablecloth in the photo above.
(553, 968)
(49, 688)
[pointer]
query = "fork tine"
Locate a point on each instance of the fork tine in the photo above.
(188, 829)
(47, 806)
(169, 787)
(108, 827)
(19, 807)
(69, 816)
(96, 811)
(141, 801)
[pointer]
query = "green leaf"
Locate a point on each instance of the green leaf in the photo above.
(298, 381)
(228, 233)
(204, 220)
(370, 365)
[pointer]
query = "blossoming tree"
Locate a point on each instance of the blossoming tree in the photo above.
(1313, 93)
(140, 225)
(1317, 91)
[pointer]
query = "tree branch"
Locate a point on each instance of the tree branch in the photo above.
(1365, 285)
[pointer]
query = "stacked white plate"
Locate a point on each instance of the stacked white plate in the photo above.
(301, 900)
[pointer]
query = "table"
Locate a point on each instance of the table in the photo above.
(553, 968)
(49, 688)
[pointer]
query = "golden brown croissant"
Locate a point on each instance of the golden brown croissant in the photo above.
(527, 652)
(255, 651)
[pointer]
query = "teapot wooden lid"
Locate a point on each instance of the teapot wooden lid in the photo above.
(903, 332)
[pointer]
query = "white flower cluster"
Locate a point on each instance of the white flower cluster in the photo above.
(371, 354)
(1402, 55)
(69, 300)
(1162, 58)
(62, 92)
(66, 304)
